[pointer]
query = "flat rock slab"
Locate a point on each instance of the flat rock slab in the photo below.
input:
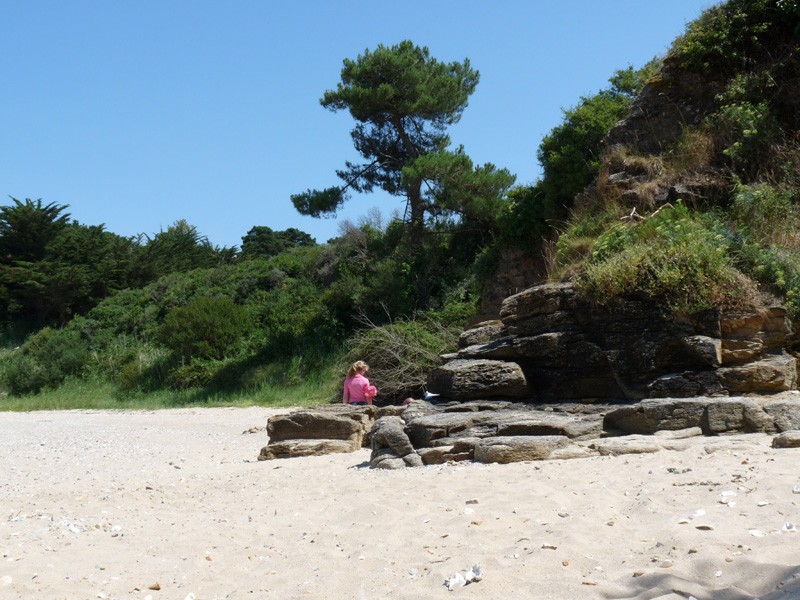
(297, 448)
(426, 430)
(636, 444)
(711, 415)
(509, 449)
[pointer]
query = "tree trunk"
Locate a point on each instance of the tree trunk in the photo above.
(416, 229)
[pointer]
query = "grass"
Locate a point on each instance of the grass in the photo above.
(76, 394)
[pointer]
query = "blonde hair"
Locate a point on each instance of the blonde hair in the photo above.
(357, 366)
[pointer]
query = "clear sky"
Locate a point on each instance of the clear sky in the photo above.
(137, 113)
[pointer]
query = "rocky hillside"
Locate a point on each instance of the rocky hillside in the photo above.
(694, 212)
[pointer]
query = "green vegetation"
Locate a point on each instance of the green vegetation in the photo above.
(675, 257)
(91, 319)
(403, 101)
(738, 240)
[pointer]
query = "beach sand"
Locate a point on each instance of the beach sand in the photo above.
(173, 504)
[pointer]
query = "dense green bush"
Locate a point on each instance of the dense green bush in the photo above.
(206, 328)
(46, 360)
(675, 257)
(733, 35)
(768, 213)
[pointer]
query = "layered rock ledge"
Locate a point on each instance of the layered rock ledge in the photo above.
(430, 433)
(560, 377)
(553, 344)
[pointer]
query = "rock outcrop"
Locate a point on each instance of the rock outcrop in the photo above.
(323, 430)
(391, 448)
(432, 433)
(551, 343)
(558, 377)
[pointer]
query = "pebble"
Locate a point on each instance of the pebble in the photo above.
(473, 501)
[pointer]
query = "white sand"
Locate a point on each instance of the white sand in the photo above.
(99, 504)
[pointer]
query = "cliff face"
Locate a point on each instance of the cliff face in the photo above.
(554, 344)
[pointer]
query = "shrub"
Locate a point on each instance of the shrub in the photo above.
(745, 130)
(673, 257)
(768, 212)
(400, 354)
(734, 34)
(46, 360)
(205, 328)
(574, 245)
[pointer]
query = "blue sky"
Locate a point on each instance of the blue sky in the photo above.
(137, 113)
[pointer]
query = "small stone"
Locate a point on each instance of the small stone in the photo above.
(473, 501)
(549, 547)
(638, 573)
(564, 563)
(705, 527)
(155, 587)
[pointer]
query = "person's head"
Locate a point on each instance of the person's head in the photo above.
(357, 367)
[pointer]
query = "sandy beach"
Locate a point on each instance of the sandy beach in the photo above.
(174, 505)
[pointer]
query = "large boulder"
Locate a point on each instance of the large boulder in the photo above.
(470, 379)
(335, 422)
(321, 430)
(391, 448)
(776, 373)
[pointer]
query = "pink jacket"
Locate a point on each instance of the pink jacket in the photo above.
(355, 389)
